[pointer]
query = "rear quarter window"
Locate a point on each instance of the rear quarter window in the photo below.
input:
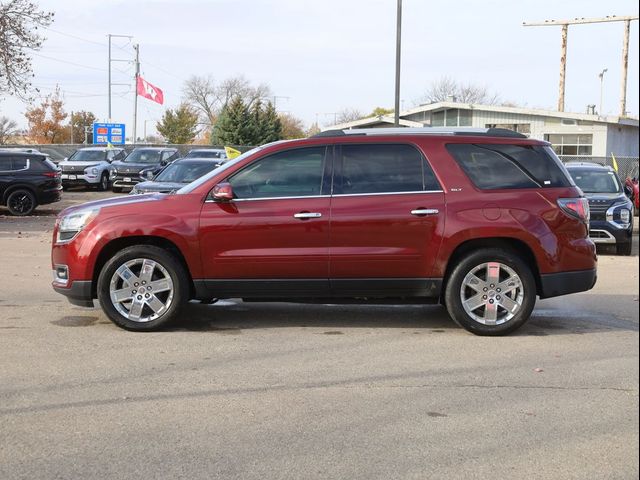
(492, 167)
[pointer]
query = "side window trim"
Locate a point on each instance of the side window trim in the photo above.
(13, 159)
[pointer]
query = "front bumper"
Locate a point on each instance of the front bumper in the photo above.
(78, 293)
(125, 182)
(604, 232)
(71, 179)
(564, 283)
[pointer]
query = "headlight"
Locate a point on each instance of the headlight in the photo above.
(91, 171)
(625, 215)
(70, 225)
(113, 172)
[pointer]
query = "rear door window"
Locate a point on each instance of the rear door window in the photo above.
(509, 166)
(375, 168)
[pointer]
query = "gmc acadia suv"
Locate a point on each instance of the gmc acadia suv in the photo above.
(482, 221)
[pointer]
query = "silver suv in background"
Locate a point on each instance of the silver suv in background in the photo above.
(90, 167)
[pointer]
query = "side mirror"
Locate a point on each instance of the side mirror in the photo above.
(628, 191)
(223, 192)
(163, 162)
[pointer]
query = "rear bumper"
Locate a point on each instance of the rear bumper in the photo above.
(79, 293)
(50, 196)
(564, 283)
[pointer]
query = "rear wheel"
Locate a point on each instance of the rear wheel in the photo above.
(21, 202)
(491, 292)
(143, 288)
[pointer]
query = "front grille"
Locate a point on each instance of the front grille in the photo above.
(598, 210)
(72, 169)
(597, 234)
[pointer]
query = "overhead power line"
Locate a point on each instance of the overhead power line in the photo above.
(69, 63)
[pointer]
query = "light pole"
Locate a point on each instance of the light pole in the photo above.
(601, 75)
(398, 51)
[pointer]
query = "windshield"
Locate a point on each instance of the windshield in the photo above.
(193, 185)
(184, 172)
(143, 156)
(206, 154)
(88, 156)
(596, 181)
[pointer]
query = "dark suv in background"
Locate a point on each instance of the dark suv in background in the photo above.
(28, 179)
(140, 165)
(611, 221)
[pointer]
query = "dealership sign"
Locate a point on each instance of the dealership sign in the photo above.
(113, 133)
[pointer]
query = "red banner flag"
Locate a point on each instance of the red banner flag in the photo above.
(146, 90)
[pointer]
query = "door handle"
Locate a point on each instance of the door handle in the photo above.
(422, 212)
(306, 215)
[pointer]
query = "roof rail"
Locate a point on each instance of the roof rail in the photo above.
(485, 132)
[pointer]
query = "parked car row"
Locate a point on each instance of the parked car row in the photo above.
(29, 178)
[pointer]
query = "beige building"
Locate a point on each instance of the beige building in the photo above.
(570, 134)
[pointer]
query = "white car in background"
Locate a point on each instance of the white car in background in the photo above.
(90, 167)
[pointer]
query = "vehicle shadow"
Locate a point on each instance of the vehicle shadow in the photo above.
(234, 316)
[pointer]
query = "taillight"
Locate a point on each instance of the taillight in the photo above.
(576, 207)
(51, 174)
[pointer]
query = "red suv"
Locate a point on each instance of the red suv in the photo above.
(482, 221)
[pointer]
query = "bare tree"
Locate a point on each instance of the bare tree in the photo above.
(209, 98)
(349, 115)
(199, 92)
(8, 128)
(19, 21)
(447, 89)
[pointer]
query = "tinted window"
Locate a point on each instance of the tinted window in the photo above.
(596, 181)
(42, 165)
(206, 154)
(87, 156)
(509, 166)
(184, 172)
(5, 164)
(294, 173)
(384, 169)
(20, 163)
(143, 156)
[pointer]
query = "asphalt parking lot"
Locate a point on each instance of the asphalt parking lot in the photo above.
(253, 391)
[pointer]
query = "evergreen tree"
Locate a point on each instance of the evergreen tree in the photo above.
(239, 124)
(179, 125)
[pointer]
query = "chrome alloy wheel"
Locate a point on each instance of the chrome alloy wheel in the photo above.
(141, 290)
(492, 293)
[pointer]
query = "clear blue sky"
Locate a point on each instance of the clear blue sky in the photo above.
(330, 55)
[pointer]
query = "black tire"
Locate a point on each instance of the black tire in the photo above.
(21, 202)
(624, 248)
(176, 271)
(116, 189)
(103, 186)
(527, 293)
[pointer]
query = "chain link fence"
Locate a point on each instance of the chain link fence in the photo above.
(627, 166)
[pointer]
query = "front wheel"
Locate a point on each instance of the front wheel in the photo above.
(103, 186)
(143, 288)
(491, 292)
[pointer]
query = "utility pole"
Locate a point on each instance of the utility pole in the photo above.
(601, 75)
(136, 47)
(563, 50)
(625, 65)
(111, 60)
(398, 51)
(71, 125)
